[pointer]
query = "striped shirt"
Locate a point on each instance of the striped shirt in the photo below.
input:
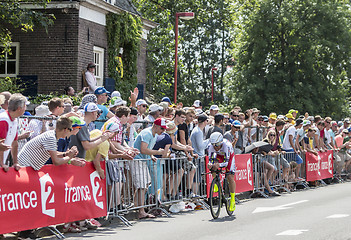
(35, 153)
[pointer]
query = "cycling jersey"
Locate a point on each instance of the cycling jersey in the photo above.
(225, 156)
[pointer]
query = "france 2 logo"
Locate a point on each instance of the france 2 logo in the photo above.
(47, 195)
(97, 189)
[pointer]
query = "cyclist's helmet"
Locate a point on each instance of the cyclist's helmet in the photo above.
(216, 138)
(77, 122)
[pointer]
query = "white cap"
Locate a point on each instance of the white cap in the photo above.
(197, 103)
(141, 102)
(198, 111)
(112, 127)
(154, 108)
(42, 110)
(214, 107)
(115, 94)
(91, 107)
(117, 101)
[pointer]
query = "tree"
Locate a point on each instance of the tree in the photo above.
(294, 54)
(12, 14)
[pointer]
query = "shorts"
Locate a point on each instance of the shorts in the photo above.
(140, 174)
(292, 156)
(270, 160)
(114, 172)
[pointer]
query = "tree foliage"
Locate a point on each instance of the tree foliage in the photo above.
(293, 54)
(12, 14)
(203, 44)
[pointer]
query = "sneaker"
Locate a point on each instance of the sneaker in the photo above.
(89, 225)
(232, 205)
(95, 222)
(274, 194)
(69, 228)
(81, 228)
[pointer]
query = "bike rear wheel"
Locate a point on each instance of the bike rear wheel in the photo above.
(215, 199)
(227, 196)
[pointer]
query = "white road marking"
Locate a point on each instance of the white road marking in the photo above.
(292, 232)
(338, 216)
(281, 207)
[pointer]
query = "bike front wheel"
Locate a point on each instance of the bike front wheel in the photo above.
(215, 198)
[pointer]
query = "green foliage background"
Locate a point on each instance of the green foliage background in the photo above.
(123, 31)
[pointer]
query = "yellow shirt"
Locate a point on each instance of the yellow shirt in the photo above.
(102, 148)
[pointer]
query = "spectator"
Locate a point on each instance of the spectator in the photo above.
(234, 115)
(272, 119)
(290, 148)
(69, 91)
(166, 100)
(170, 114)
(82, 140)
(131, 132)
(308, 139)
(197, 104)
(154, 113)
(45, 146)
(164, 111)
(247, 124)
(37, 126)
(5, 104)
(115, 102)
(56, 107)
(346, 124)
(185, 129)
(101, 96)
(8, 125)
(235, 136)
(144, 143)
(218, 119)
(214, 109)
(344, 144)
(90, 77)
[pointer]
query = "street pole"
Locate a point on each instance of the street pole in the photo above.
(183, 16)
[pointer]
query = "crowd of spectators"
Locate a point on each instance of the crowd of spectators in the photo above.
(103, 128)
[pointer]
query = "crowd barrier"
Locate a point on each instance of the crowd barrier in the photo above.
(53, 195)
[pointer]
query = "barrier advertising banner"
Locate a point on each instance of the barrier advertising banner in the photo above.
(243, 174)
(319, 167)
(55, 194)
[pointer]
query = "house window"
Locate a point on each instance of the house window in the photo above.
(99, 62)
(9, 64)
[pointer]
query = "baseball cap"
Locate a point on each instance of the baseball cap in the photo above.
(197, 103)
(161, 122)
(214, 107)
(306, 123)
(77, 121)
(255, 110)
(164, 105)
(115, 94)
(100, 90)
(42, 110)
(199, 111)
(141, 102)
(345, 131)
(281, 117)
(236, 123)
(112, 127)
(289, 115)
(154, 108)
(117, 101)
(347, 120)
(292, 111)
(265, 119)
(171, 127)
(202, 118)
(334, 123)
(91, 107)
(91, 65)
(311, 118)
(166, 99)
(273, 116)
(298, 122)
(349, 129)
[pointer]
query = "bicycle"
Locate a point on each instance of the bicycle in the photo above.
(222, 195)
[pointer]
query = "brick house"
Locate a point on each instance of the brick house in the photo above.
(48, 62)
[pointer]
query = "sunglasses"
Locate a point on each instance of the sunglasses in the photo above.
(217, 144)
(235, 115)
(144, 106)
(272, 135)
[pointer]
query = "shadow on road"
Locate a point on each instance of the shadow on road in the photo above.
(223, 219)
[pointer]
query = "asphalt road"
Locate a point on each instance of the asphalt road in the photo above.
(321, 213)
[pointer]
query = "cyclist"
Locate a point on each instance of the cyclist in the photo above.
(221, 154)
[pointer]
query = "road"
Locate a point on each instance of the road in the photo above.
(321, 213)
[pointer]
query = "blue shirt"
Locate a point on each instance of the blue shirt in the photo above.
(198, 142)
(98, 125)
(147, 137)
(162, 141)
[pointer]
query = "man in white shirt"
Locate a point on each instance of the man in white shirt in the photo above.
(90, 77)
(290, 147)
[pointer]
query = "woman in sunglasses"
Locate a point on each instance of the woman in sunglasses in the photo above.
(221, 154)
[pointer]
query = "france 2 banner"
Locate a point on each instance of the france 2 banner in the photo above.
(55, 194)
(243, 174)
(320, 166)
